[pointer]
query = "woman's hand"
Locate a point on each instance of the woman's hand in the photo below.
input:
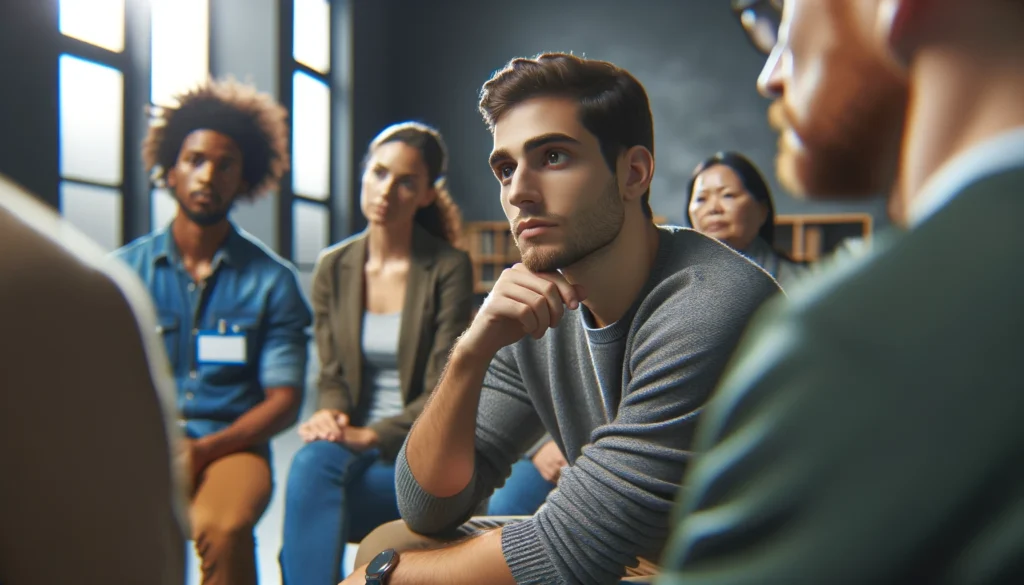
(549, 462)
(324, 425)
(360, 438)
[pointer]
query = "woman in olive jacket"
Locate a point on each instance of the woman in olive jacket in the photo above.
(388, 305)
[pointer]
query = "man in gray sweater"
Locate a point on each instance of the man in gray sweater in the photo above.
(618, 380)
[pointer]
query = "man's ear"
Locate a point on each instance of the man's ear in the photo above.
(898, 24)
(635, 171)
(170, 178)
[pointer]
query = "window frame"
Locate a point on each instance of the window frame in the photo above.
(124, 62)
(288, 68)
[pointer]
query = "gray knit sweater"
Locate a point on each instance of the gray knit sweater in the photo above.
(621, 402)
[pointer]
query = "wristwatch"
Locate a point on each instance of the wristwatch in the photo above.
(381, 566)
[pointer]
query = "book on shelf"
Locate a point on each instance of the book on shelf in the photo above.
(486, 243)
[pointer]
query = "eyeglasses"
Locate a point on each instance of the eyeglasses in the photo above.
(760, 19)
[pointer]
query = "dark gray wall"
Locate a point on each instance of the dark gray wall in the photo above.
(427, 60)
(377, 49)
(342, 48)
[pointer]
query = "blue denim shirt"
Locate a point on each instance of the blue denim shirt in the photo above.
(251, 291)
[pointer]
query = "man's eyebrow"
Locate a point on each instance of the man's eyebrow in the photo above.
(498, 156)
(532, 144)
(227, 156)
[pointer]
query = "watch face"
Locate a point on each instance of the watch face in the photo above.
(381, 563)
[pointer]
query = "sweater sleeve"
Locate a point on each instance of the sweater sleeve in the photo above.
(507, 425)
(613, 504)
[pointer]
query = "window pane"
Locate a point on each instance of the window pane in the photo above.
(312, 34)
(181, 47)
(96, 211)
(91, 121)
(311, 136)
(99, 22)
(162, 208)
(310, 229)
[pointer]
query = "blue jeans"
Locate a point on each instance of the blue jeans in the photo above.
(523, 492)
(333, 496)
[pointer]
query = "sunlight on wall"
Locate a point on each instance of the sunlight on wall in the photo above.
(98, 22)
(181, 47)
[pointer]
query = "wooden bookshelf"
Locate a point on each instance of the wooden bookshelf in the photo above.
(492, 250)
(809, 237)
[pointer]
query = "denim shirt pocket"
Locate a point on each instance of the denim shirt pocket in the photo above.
(247, 324)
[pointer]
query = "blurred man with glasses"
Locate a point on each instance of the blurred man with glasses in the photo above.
(869, 430)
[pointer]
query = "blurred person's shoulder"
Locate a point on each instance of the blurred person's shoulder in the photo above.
(49, 256)
(949, 285)
(49, 263)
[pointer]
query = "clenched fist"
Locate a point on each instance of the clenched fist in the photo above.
(521, 303)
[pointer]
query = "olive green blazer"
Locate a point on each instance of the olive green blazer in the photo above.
(438, 304)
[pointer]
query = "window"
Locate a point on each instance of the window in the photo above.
(94, 210)
(311, 223)
(90, 112)
(97, 22)
(91, 121)
(309, 94)
(312, 33)
(180, 47)
(311, 136)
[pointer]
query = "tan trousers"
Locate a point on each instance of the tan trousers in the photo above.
(232, 494)
(397, 535)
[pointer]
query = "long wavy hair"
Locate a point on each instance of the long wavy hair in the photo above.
(442, 218)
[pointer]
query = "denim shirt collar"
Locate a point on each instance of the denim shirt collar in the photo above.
(230, 251)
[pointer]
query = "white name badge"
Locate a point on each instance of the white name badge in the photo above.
(214, 348)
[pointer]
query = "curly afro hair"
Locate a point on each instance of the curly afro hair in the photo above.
(254, 120)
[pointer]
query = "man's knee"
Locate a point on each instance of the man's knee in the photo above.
(215, 532)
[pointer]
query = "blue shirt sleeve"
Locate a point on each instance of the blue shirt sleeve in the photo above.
(286, 343)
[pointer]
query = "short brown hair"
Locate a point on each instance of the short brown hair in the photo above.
(253, 120)
(613, 105)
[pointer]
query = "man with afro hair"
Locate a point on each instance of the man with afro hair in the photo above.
(232, 315)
